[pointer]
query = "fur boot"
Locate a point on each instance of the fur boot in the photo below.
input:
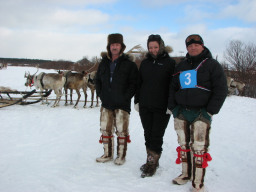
(144, 166)
(121, 150)
(151, 165)
(108, 146)
(200, 159)
(185, 159)
(199, 190)
(199, 147)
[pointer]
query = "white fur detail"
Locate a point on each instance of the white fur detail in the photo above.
(136, 107)
(168, 112)
(203, 189)
(119, 160)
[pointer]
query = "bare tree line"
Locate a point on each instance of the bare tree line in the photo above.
(240, 63)
(241, 58)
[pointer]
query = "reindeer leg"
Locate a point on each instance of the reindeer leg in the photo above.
(97, 105)
(92, 93)
(66, 96)
(78, 97)
(41, 95)
(85, 96)
(58, 96)
(46, 98)
(71, 93)
(54, 105)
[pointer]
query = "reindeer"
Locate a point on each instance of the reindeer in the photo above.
(45, 81)
(234, 85)
(75, 81)
(71, 90)
(91, 85)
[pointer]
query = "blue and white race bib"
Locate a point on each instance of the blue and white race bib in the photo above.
(188, 79)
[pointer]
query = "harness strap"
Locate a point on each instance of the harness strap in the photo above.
(106, 137)
(200, 87)
(127, 137)
(177, 73)
(200, 64)
(32, 82)
(41, 80)
(179, 149)
(195, 69)
(206, 157)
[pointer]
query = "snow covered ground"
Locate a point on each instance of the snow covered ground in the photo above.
(44, 149)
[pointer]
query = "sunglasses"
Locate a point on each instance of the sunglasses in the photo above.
(194, 37)
(154, 37)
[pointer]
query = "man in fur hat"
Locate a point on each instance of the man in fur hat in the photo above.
(197, 92)
(116, 82)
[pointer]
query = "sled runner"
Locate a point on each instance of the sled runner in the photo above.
(23, 100)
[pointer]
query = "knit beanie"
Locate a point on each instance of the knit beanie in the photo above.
(194, 38)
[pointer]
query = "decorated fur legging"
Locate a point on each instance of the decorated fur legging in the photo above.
(193, 139)
(114, 119)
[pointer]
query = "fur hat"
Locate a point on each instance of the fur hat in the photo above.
(115, 38)
(194, 38)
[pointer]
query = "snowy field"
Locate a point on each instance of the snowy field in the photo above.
(45, 149)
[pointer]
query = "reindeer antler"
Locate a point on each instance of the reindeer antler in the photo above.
(36, 70)
(26, 74)
(138, 47)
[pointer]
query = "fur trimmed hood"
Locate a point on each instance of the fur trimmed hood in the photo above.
(162, 50)
(128, 56)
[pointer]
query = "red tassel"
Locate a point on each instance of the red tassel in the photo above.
(178, 160)
(32, 83)
(206, 157)
(127, 138)
(101, 139)
(179, 149)
(102, 136)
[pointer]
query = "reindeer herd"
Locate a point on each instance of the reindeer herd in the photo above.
(77, 81)
(63, 80)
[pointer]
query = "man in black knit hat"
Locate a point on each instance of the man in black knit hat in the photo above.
(116, 82)
(197, 92)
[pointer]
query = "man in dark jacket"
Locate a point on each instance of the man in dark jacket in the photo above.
(197, 92)
(116, 82)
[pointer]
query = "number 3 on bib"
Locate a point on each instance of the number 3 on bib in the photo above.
(188, 79)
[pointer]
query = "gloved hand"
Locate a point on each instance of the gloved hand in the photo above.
(209, 114)
(168, 112)
(136, 107)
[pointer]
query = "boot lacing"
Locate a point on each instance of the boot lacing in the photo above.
(106, 137)
(179, 149)
(206, 157)
(127, 137)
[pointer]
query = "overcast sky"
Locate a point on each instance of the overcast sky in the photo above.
(73, 29)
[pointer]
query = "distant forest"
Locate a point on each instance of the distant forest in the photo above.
(79, 66)
(82, 65)
(89, 66)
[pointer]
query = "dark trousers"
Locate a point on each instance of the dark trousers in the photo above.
(154, 124)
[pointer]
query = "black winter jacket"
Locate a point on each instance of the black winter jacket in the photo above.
(210, 76)
(154, 81)
(118, 93)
